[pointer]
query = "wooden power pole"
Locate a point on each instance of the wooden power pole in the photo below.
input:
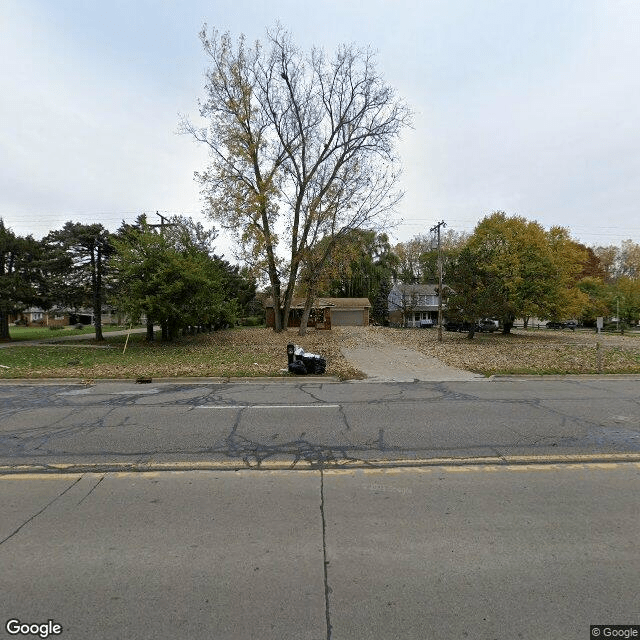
(436, 228)
(163, 222)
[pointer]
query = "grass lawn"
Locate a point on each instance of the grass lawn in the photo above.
(256, 352)
(242, 352)
(21, 333)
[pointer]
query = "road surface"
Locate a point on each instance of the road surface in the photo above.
(483, 552)
(291, 423)
(292, 510)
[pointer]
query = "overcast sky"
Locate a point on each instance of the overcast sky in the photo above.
(532, 108)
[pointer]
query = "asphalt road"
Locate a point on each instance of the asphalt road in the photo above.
(443, 552)
(350, 541)
(313, 423)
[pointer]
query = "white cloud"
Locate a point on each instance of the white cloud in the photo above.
(527, 107)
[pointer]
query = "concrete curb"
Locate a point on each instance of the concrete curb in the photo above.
(180, 380)
(322, 379)
(567, 376)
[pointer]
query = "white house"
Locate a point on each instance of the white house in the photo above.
(413, 305)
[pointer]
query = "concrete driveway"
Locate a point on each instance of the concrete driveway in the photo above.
(384, 362)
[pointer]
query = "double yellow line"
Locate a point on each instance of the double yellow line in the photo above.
(489, 463)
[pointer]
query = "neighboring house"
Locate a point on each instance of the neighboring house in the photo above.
(62, 317)
(36, 316)
(413, 305)
(326, 312)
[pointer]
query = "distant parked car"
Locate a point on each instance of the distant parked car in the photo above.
(457, 325)
(487, 325)
(463, 325)
(568, 324)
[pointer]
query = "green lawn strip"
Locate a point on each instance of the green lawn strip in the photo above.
(19, 334)
(189, 356)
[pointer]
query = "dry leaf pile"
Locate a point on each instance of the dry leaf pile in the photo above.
(539, 351)
(257, 352)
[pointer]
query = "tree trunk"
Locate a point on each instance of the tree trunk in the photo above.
(506, 327)
(308, 305)
(150, 334)
(526, 322)
(274, 279)
(173, 329)
(277, 311)
(4, 325)
(96, 264)
(284, 315)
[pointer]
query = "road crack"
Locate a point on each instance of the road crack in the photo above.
(95, 486)
(327, 588)
(35, 515)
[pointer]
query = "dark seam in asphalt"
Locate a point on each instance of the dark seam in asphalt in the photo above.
(35, 515)
(91, 490)
(344, 417)
(327, 589)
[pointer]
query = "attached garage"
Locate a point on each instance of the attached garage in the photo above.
(326, 313)
(348, 312)
(347, 317)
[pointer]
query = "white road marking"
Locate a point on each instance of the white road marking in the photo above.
(270, 406)
(134, 392)
(75, 392)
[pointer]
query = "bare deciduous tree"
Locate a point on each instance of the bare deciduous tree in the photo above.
(302, 149)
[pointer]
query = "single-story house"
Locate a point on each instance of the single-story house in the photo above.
(34, 316)
(413, 305)
(325, 313)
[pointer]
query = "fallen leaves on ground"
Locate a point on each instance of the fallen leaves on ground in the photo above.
(257, 352)
(522, 351)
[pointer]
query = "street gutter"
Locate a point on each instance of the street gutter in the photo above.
(305, 379)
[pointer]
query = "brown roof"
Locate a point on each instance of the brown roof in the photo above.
(322, 303)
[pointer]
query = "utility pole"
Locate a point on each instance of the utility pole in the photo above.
(163, 223)
(436, 228)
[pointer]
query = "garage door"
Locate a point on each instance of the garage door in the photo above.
(346, 317)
